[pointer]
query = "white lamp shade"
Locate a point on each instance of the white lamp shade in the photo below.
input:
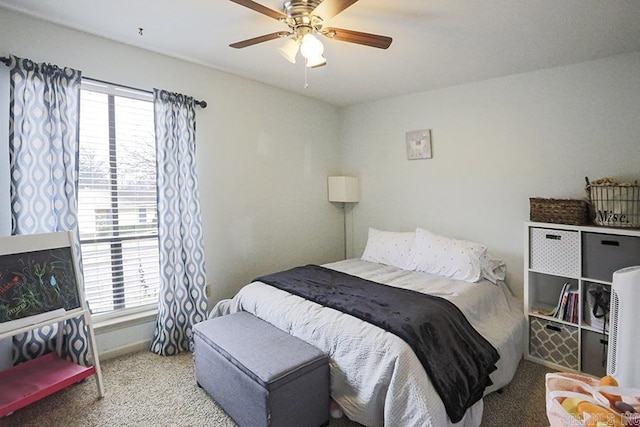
(289, 50)
(344, 189)
(318, 61)
(311, 47)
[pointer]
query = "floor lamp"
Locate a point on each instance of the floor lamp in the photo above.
(344, 189)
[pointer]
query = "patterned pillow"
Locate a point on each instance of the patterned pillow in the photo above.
(388, 247)
(446, 257)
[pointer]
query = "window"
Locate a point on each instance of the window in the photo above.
(117, 212)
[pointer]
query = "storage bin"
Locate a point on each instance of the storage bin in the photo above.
(555, 252)
(554, 342)
(602, 254)
(594, 350)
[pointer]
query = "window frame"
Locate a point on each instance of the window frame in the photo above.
(118, 315)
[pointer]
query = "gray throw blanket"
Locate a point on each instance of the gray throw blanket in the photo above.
(456, 357)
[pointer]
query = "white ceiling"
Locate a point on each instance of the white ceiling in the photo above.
(436, 43)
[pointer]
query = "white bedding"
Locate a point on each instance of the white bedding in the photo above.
(375, 376)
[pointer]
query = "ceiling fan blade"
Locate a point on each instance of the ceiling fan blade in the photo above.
(330, 8)
(256, 40)
(350, 36)
(261, 9)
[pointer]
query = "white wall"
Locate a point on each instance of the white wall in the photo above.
(495, 144)
(263, 154)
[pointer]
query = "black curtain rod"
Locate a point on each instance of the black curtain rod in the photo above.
(202, 104)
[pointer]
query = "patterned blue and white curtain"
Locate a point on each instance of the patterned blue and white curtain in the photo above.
(43, 155)
(183, 301)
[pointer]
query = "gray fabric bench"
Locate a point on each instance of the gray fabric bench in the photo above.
(259, 374)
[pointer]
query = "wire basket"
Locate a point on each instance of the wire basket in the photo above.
(614, 204)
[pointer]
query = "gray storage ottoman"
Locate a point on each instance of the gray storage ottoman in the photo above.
(260, 375)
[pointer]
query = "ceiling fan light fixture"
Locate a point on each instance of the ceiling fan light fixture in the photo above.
(305, 18)
(289, 50)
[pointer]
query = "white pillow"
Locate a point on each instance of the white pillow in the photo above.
(446, 257)
(388, 247)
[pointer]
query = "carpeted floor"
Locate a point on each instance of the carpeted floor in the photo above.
(143, 389)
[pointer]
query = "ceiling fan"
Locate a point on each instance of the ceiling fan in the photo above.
(305, 19)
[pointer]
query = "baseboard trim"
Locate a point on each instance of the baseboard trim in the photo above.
(126, 349)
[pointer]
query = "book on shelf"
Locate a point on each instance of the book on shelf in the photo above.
(571, 309)
(561, 307)
(563, 304)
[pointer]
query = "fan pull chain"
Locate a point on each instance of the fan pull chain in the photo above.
(306, 82)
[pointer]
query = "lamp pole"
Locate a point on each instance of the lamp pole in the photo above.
(344, 223)
(343, 189)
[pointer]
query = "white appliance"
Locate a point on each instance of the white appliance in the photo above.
(624, 329)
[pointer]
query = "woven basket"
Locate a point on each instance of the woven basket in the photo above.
(614, 204)
(559, 211)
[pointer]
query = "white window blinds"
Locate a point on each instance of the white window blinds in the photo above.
(117, 198)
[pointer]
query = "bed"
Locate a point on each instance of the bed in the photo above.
(376, 377)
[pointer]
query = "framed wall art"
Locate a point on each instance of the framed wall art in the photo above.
(418, 144)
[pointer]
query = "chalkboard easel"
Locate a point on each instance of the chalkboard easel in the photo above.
(41, 284)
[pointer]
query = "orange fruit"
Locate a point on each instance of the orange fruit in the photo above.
(596, 415)
(608, 380)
